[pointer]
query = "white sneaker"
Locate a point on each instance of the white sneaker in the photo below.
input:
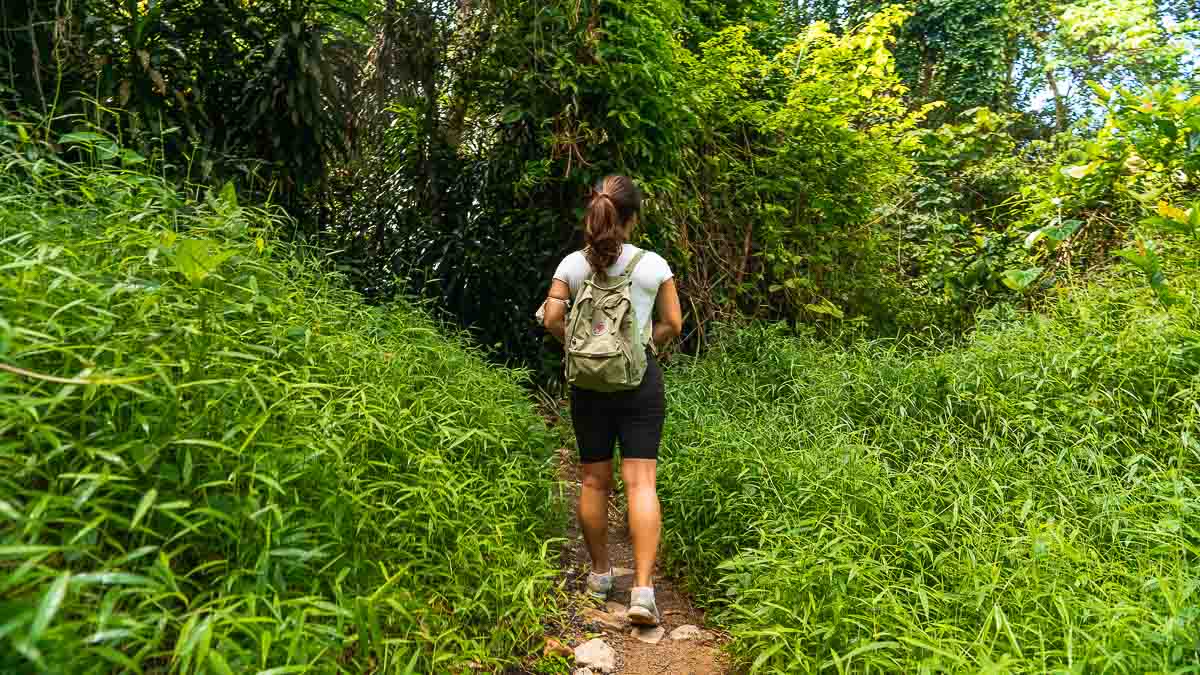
(600, 585)
(642, 610)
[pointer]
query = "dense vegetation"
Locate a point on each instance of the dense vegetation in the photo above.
(811, 161)
(215, 458)
(951, 246)
(1025, 503)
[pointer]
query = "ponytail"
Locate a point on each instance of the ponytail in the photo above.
(614, 203)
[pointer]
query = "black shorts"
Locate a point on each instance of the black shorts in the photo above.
(634, 417)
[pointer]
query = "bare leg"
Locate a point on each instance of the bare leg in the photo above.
(593, 512)
(645, 518)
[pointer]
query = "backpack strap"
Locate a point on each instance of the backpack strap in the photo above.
(646, 330)
(637, 258)
(591, 270)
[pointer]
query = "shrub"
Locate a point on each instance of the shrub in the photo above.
(214, 457)
(1025, 502)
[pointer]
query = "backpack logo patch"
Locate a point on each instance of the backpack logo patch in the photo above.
(600, 329)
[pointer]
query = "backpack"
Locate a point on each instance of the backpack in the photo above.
(605, 345)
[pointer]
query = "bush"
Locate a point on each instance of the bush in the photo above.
(214, 458)
(1025, 502)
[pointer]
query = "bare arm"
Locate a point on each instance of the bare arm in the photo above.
(670, 316)
(555, 319)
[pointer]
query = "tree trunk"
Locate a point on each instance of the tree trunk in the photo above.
(1060, 106)
(927, 70)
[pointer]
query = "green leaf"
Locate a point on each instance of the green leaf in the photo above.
(48, 606)
(1101, 93)
(1079, 171)
(86, 137)
(1062, 230)
(20, 551)
(143, 507)
(107, 150)
(131, 158)
(1167, 128)
(1019, 280)
(218, 663)
(6, 333)
(229, 194)
(112, 579)
(827, 308)
(511, 114)
(1140, 260)
(196, 259)
(1169, 225)
(1034, 237)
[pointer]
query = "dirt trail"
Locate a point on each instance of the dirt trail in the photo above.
(697, 655)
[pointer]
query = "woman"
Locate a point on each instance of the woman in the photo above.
(634, 417)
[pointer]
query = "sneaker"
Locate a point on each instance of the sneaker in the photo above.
(600, 585)
(642, 610)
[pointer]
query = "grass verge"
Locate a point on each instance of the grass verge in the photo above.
(215, 458)
(1026, 502)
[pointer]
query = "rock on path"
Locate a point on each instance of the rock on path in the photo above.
(649, 635)
(605, 619)
(690, 632)
(596, 654)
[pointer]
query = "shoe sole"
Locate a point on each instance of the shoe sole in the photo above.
(639, 616)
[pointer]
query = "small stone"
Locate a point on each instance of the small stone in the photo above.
(690, 632)
(622, 572)
(596, 655)
(613, 621)
(615, 608)
(555, 648)
(651, 635)
(583, 671)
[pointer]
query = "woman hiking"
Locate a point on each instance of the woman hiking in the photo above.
(610, 403)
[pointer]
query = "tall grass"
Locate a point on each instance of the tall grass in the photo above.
(1028, 502)
(214, 458)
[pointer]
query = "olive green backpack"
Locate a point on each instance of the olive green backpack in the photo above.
(606, 345)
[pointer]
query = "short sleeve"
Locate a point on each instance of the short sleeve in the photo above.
(662, 270)
(572, 271)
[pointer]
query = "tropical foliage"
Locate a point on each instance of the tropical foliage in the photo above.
(214, 458)
(938, 266)
(1026, 502)
(816, 161)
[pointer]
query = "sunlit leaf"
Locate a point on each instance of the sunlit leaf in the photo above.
(143, 506)
(1078, 171)
(131, 158)
(1019, 280)
(827, 308)
(196, 259)
(229, 194)
(48, 606)
(1101, 93)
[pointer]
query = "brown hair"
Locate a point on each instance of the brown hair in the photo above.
(615, 200)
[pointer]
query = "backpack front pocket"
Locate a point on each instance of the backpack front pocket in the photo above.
(599, 370)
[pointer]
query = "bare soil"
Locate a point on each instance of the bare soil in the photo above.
(634, 657)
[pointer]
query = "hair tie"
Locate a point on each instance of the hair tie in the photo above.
(597, 194)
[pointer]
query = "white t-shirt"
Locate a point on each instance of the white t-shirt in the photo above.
(651, 272)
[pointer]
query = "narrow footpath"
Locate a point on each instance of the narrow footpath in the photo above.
(600, 639)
